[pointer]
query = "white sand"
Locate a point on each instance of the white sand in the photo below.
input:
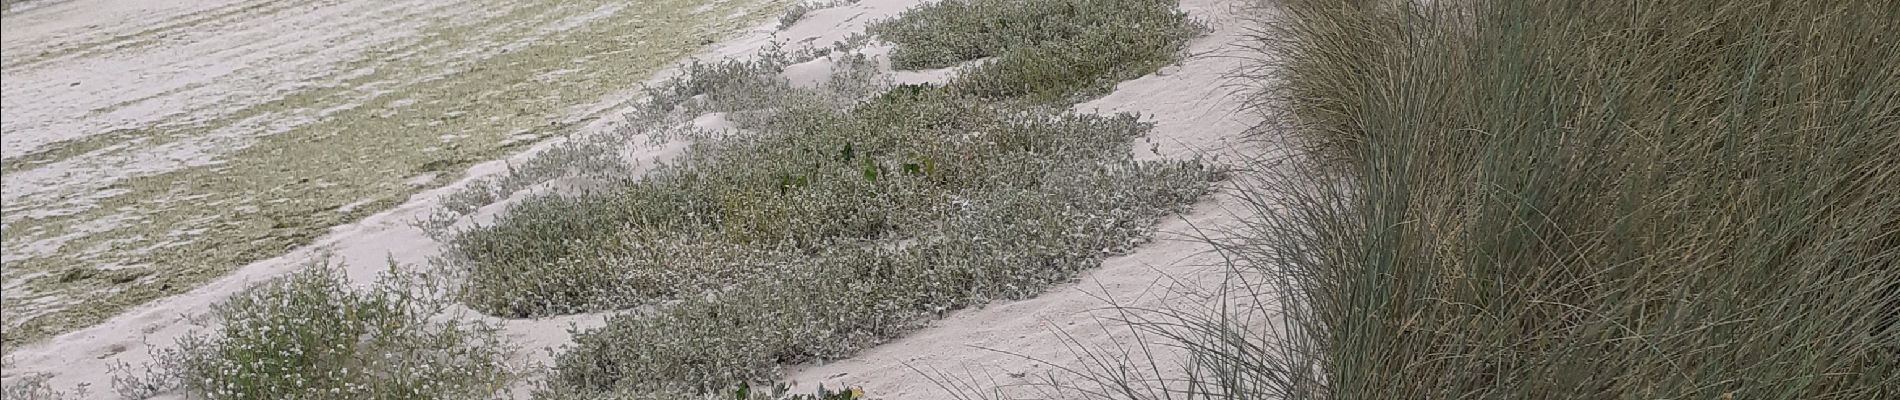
(1194, 112)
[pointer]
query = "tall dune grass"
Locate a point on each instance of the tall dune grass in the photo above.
(1547, 199)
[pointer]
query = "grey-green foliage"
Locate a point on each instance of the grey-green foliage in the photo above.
(834, 220)
(592, 156)
(798, 11)
(310, 336)
(700, 87)
(36, 386)
(736, 206)
(1043, 50)
(793, 15)
(845, 260)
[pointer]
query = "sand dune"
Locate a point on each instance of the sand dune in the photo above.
(1196, 115)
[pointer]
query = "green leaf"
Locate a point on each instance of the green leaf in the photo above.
(870, 170)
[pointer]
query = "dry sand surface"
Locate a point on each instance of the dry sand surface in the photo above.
(1196, 112)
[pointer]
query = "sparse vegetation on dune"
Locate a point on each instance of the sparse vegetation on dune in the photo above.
(804, 180)
(1492, 199)
(867, 251)
(1536, 199)
(833, 221)
(310, 336)
(35, 387)
(798, 11)
(835, 218)
(1048, 51)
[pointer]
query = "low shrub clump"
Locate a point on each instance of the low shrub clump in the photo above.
(899, 167)
(836, 217)
(797, 11)
(838, 231)
(310, 336)
(1049, 51)
(949, 234)
(1531, 199)
(35, 387)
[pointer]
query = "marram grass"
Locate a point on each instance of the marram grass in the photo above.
(1543, 199)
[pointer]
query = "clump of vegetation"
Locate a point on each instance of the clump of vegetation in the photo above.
(1529, 199)
(738, 206)
(700, 88)
(310, 336)
(36, 387)
(835, 219)
(798, 11)
(781, 392)
(793, 15)
(1040, 50)
(905, 243)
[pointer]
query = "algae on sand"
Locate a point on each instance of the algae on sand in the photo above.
(415, 114)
